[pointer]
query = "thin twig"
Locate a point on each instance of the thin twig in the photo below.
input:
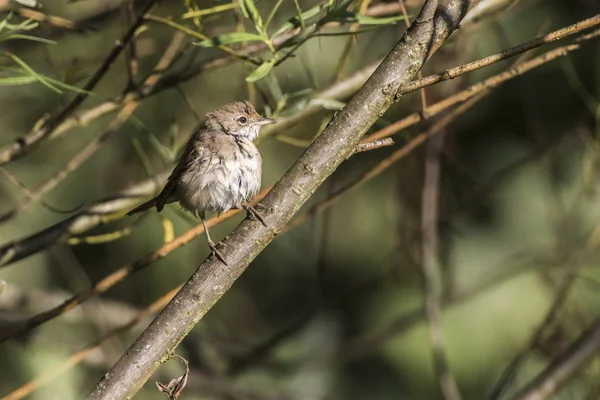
(503, 55)
(420, 74)
(509, 373)
(58, 22)
(373, 145)
(25, 143)
(25, 300)
(131, 61)
(551, 379)
(432, 274)
(481, 87)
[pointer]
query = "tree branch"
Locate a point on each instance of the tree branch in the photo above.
(337, 141)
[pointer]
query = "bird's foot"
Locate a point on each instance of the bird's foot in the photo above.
(215, 252)
(252, 212)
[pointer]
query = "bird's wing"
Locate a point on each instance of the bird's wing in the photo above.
(195, 158)
(167, 195)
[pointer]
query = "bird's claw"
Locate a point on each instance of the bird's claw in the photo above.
(216, 253)
(253, 212)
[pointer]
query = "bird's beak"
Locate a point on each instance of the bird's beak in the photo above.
(265, 121)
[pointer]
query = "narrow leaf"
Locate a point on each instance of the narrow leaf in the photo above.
(31, 72)
(261, 71)
(254, 14)
(16, 80)
(366, 20)
(66, 86)
(244, 9)
(299, 20)
(300, 16)
(5, 21)
(13, 36)
(229, 38)
(22, 77)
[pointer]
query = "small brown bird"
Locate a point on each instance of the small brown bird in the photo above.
(220, 168)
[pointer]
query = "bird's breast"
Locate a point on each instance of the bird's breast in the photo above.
(221, 180)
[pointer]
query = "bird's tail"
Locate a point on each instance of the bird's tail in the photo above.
(143, 207)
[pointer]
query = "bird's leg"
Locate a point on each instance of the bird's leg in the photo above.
(211, 244)
(253, 212)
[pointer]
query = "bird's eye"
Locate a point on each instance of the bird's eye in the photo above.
(242, 120)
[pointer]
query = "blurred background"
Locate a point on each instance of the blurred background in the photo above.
(332, 308)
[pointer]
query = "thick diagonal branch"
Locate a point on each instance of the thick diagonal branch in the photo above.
(328, 151)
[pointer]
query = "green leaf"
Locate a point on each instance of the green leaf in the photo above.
(16, 80)
(22, 78)
(299, 20)
(300, 16)
(67, 86)
(43, 80)
(261, 71)
(244, 9)
(229, 38)
(366, 20)
(5, 21)
(252, 13)
(26, 25)
(13, 36)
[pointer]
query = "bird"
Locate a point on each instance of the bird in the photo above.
(220, 168)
